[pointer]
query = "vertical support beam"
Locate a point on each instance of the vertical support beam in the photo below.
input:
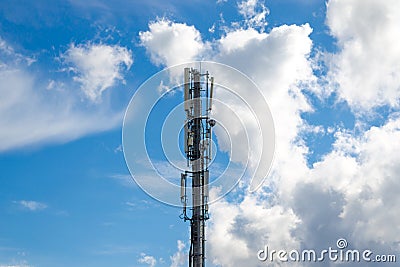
(197, 183)
(186, 87)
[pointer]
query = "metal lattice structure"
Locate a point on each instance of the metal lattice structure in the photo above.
(198, 91)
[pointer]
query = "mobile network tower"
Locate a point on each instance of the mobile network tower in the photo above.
(198, 91)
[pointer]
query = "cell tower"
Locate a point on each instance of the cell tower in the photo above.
(198, 91)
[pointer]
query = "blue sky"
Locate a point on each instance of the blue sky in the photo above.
(329, 72)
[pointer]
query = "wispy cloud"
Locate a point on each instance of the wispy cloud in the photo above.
(31, 114)
(31, 205)
(124, 179)
(118, 149)
(15, 265)
(9, 55)
(140, 204)
(115, 249)
(147, 259)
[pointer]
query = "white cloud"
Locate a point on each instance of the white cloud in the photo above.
(32, 205)
(277, 62)
(98, 67)
(238, 230)
(179, 258)
(31, 114)
(170, 43)
(367, 67)
(150, 260)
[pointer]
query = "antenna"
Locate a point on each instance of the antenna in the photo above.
(211, 93)
(197, 131)
(186, 89)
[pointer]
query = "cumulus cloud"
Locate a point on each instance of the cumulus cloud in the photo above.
(98, 67)
(238, 230)
(34, 112)
(368, 186)
(170, 43)
(350, 193)
(31, 205)
(150, 260)
(278, 62)
(367, 67)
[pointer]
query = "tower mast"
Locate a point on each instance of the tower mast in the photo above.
(198, 153)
